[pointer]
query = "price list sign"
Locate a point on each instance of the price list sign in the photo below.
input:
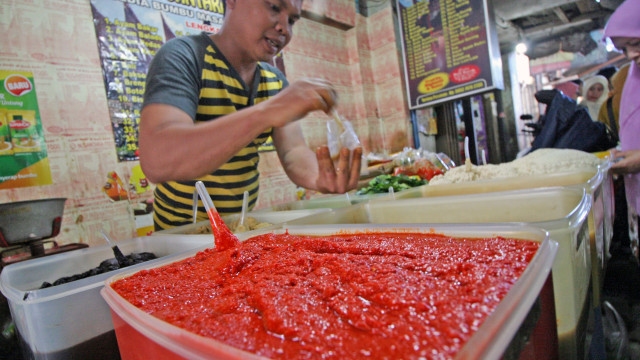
(450, 50)
(129, 35)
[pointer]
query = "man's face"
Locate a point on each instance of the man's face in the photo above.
(265, 27)
(630, 47)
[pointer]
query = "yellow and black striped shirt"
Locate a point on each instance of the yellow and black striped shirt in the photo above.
(192, 74)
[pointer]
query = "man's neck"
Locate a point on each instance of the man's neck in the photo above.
(246, 69)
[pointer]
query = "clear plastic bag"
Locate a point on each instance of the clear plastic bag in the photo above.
(421, 162)
(340, 134)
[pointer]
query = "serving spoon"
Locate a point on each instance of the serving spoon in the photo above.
(122, 260)
(195, 206)
(467, 161)
(245, 204)
(224, 238)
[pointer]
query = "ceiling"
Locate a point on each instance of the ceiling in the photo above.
(549, 26)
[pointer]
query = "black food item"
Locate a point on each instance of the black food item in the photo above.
(105, 266)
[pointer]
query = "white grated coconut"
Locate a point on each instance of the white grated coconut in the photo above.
(539, 162)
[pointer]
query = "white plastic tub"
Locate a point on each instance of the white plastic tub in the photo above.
(562, 211)
(141, 335)
(329, 202)
(597, 183)
(72, 320)
(262, 216)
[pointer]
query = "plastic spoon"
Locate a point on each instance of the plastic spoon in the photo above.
(245, 204)
(122, 260)
(195, 206)
(224, 238)
(467, 160)
(392, 193)
(484, 158)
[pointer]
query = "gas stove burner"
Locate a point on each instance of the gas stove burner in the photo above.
(30, 221)
(25, 227)
(35, 249)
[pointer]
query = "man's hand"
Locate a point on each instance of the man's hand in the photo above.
(626, 162)
(343, 176)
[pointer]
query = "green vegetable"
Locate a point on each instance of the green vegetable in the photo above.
(381, 184)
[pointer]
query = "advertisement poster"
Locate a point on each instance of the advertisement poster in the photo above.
(23, 153)
(129, 34)
(450, 50)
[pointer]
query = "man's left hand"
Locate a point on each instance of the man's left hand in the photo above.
(341, 177)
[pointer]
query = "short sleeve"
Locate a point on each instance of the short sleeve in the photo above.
(173, 76)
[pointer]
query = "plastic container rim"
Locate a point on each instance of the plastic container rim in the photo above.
(67, 289)
(515, 301)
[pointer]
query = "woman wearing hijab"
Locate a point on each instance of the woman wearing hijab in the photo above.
(595, 91)
(610, 110)
(623, 28)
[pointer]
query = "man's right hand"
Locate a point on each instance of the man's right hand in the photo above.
(298, 99)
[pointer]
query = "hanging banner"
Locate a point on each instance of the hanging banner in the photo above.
(129, 34)
(450, 50)
(23, 153)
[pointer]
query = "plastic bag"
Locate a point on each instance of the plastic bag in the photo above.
(421, 162)
(340, 135)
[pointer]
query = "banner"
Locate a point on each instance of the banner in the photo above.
(450, 50)
(23, 153)
(129, 34)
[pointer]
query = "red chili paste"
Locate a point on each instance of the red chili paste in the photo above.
(382, 296)
(223, 237)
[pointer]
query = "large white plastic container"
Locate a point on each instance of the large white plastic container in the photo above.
(562, 211)
(329, 202)
(597, 183)
(141, 335)
(262, 216)
(72, 321)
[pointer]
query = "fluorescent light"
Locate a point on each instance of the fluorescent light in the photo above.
(609, 45)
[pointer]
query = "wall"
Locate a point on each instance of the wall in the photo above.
(55, 40)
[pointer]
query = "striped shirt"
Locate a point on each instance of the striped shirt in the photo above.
(190, 73)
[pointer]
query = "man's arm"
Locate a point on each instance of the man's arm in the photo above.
(173, 147)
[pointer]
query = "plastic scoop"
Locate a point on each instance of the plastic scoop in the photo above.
(467, 160)
(195, 206)
(122, 260)
(245, 204)
(224, 238)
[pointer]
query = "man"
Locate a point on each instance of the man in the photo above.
(210, 102)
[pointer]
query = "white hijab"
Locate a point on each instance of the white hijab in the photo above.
(594, 106)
